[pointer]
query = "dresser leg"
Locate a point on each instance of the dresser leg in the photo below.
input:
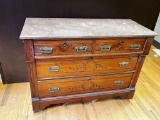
(35, 104)
(129, 95)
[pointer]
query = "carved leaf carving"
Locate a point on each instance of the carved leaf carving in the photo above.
(87, 85)
(88, 65)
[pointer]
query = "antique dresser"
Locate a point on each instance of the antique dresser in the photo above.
(71, 60)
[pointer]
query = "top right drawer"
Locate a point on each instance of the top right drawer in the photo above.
(119, 45)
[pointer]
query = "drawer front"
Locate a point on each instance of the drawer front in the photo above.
(60, 47)
(83, 66)
(119, 45)
(68, 86)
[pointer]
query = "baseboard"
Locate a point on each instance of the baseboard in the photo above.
(156, 44)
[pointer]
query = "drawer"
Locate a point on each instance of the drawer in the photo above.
(62, 47)
(83, 66)
(60, 87)
(121, 45)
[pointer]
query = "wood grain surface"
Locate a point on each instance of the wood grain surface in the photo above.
(120, 45)
(83, 85)
(83, 66)
(56, 76)
(67, 46)
(15, 101)
(63, 47)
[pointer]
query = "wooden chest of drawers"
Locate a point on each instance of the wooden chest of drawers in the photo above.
(72, 60)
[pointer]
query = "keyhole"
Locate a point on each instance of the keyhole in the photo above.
(88, 79)
(91, 58)
(64, 44)
(121, 42)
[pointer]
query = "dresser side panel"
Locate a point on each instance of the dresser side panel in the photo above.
(147, 45)
(29, 52)
(138, 70)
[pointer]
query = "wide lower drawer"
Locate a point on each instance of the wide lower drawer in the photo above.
(60, 87)
(83, 66)
(121, 45)
(62, 47)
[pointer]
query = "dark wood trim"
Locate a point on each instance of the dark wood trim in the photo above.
(32, 79)
(52, 78)
(29, 52)
(35, 104)
(84, 97)
(89, 38)
(131, 54)
(130, 95)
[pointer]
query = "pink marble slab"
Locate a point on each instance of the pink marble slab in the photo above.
(50, 28)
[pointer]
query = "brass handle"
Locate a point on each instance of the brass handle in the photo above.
(54, 89)
(105, 47)
(81, 48)
(123, 64)
(53, 68)
(46, 50)
(135, 46)
(118, 82)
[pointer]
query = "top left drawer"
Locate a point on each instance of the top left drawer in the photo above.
(62, 47)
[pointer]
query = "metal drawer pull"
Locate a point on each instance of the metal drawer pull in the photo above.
(105, 47)
(121, 64)
(118, 82)
(54, 89)
(135, 46)
(53, 68)
(81, 48)
(46, 50)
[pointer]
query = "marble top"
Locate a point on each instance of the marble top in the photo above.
(48, 28)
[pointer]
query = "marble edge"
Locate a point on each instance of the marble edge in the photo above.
(86, 37)
(153, 32)
(21, 37)
(82, 18)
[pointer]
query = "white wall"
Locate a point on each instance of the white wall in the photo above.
(157, 29)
